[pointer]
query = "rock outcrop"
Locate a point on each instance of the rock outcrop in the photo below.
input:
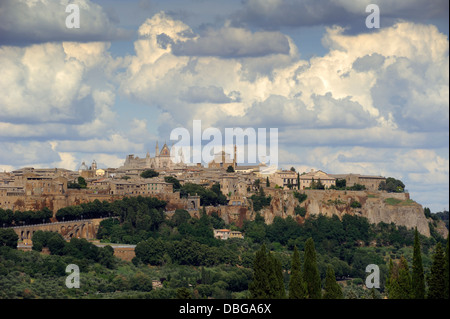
(377, 207)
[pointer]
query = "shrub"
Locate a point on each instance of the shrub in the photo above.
(300, 211)
(355, 204)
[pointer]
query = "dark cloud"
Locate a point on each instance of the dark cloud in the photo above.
(368, 62)
(347, 13)
(290, 13)
(233, 43)
(77, 112)
(164, 40)
(24, 23)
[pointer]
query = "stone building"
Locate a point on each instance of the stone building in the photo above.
(139, 187)
(162, 160)
(307, 179)
(371, 182)
(225, 234)
(223, 160)
(284, 179)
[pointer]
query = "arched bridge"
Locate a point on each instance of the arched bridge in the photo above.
(85, 228)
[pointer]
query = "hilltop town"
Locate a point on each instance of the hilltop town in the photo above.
(31, 189)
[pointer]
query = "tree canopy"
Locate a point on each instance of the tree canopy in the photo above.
(149, 173)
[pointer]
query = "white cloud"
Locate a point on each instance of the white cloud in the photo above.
(47, 83)
(32, 153)
(116, 143)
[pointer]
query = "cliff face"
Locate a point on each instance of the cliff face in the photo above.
(375, 206)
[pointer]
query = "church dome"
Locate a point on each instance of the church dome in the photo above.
(83, 167)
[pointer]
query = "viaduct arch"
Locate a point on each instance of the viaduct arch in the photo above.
(86, 228)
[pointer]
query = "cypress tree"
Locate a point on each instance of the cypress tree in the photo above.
(436, 280)
(311, 273)
(259, 286)
(446, 271)
(332, 288)
(392, 281)
(404, 279)
(399, 283)
(297, 288)
(418, 278)
(275, 275)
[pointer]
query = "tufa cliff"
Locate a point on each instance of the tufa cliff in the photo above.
(377, 207)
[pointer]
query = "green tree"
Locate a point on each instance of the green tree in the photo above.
(82, 182)
(427, 212)
(259, 287)
(230, 169)
(54, 241)
(141, 282)
(276, 281)
(8, 237)
(106, 257)
(392, 185)
(446, 271)
(301, 197)
(183, 293)
(267, 182)
(149, 173)
(436, 280)
(175, 182)
(56, 244)
(332, 288)
(399, 282)
(355, 204)
(392, 281)
(151, 251)
(180, 216)
(341, 183)
(213, 196)
(300, 211)
(260, 200)
(418, 278)
(404, 279)
(311, 274)
(297, 288)
(267, 280)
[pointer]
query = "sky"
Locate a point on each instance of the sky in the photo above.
(345, 98)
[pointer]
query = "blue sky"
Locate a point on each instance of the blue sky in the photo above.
(344, 98)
